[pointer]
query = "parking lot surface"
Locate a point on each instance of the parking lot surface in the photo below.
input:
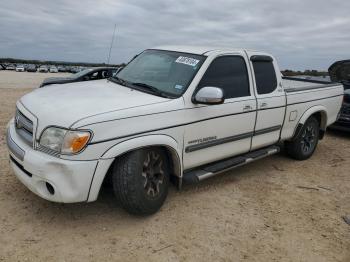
(13, 79)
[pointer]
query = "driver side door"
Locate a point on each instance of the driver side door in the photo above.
(223, 130)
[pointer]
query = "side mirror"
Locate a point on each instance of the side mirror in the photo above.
(209, 95)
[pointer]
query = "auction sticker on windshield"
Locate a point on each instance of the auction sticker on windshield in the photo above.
(187, 61)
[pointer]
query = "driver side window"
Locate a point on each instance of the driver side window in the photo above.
(230, 74)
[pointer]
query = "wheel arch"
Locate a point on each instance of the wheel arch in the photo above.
(168, 143)
(320, 112)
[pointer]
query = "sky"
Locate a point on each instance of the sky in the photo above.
(308, 34)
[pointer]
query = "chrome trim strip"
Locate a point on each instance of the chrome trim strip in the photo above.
(14, 148)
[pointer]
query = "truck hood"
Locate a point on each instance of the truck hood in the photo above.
(63, 105)
(340, 71)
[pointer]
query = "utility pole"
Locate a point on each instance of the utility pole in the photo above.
(110, 49)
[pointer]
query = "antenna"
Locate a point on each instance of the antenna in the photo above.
(110, 49)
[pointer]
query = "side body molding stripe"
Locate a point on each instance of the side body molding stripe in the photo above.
(229, 139)
(267, 130)
(218, 142)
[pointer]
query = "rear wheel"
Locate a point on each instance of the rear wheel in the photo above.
(304, 144)
(141, 180)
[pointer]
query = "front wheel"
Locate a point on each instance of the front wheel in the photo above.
(141, 180)
(304, 144)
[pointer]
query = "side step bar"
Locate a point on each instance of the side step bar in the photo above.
(207, 171)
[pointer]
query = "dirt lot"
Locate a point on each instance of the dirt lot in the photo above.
(13, 79)
(260, 212)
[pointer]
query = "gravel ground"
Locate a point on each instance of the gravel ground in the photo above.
(276, 209)
(13, 79)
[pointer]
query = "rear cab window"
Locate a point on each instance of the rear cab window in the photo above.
(265, 74)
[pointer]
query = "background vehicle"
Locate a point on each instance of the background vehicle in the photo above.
(31, 68)
(43, 69)
(20, 68)
(10, 67)
(340, 72)
(74, 69)
(53, 69)
(85, 75)
(62, 69)
(180, 114)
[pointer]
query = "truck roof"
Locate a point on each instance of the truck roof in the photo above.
(199, 50)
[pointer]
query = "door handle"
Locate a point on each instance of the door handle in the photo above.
(247, 108)
(262, 105)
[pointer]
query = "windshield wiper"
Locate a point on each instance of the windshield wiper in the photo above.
(118, 80)
(153, 89)
(144, 87)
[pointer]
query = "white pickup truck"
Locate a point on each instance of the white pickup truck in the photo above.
(180, 114)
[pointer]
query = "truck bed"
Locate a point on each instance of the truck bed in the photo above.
(304, 94)
(293, 84)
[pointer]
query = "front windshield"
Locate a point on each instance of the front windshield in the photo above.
(81, 73)
(167, 71)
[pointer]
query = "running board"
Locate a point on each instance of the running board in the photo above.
(210, 170)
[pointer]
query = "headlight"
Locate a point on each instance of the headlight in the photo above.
(64, 141)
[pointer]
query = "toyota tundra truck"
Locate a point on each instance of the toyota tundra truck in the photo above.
(174, 114)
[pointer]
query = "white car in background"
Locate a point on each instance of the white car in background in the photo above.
(20, 68)
(43, 69)
(10, 67)
(53, 69)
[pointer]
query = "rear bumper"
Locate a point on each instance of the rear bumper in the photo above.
(343, 123)
(340, 127)
(70, 180)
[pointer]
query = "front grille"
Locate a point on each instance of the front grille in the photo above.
(24, 127)
(47, 150)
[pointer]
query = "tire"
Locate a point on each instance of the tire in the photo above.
(304, 144)
(141, 180)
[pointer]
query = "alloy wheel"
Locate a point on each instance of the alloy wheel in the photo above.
(308, 139)
(153, 174)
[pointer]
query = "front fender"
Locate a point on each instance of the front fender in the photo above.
(140, 142)
(123, 147)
